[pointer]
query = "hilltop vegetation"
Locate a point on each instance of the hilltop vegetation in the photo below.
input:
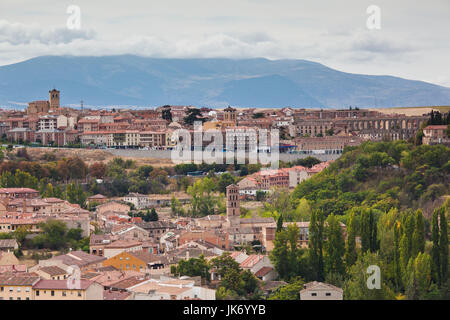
(380, 191)
(382, 175)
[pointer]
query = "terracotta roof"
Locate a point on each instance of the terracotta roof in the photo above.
(315, 285)
(8, 243)
(97, 196)
(53, 270)
(126, 283)
(18, 190)
(115, 295)
(251, 260)
(263, 271)
(147, 257)
(13, 268)
(124, 244)
(62, 284)
(79, 258)
(18, 280)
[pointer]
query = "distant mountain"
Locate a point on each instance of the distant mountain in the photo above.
(133, 80)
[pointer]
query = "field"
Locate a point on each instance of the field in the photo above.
(413, 111)
(93, 155)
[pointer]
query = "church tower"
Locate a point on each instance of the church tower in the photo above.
(229, 117)
(233, 206)
(54, 99)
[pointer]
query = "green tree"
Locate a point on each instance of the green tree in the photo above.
(166, 114)
(280, 254)
(316, 239)
(365, 230)
(53, 235)
(350, 250)
(280, 223)
(20, 235)
(418, 238)
(193, 267)
(443, 246)
(289, 291)
(396, 262)
(419, 276)
(335, 246)
(435, 251)
(153, 215)
(356, 288)
(224, 181)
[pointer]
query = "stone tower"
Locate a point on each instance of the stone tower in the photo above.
(229, 117)
(54, 99)
(233, 206)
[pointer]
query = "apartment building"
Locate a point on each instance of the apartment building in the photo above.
(17, 287)
(48, 122)
(67, 290)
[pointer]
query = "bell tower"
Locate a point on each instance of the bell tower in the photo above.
(233, 206)
(229, 117)
(54, 99)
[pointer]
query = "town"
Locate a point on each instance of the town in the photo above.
(73, 228)
(306, 131)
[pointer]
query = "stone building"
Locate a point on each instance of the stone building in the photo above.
(41, 106)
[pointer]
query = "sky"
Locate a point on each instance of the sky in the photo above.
(413, 40)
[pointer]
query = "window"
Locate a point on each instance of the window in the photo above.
(11, 289)
(18, 289)
(314, 294)
(37, 292)
(328, 294)
(79, 293)
(27, 289)
(52, 293)
(64, 294)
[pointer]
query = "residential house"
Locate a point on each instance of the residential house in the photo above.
(320, 291)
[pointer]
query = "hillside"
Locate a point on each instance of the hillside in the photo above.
(140, 81)
(381, 175)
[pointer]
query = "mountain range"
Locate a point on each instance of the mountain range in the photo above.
(128, 80)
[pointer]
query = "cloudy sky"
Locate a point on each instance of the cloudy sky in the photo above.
(413, 42)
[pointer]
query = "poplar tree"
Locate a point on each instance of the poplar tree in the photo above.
(280, 223)
(406, 240)
(373, 231)
(443, 246)
(316, 243)
(435, 252)
(418, 238)
(365, 231)
(335, 246)
(350, 252)
(397, 270)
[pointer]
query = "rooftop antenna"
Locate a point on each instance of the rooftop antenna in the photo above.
(81, 105)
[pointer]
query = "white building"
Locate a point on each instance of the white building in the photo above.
(321, 291)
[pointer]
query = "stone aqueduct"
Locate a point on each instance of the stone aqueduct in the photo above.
(395, 127)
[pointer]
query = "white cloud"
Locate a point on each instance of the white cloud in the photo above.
(17, 34)
(412, 42)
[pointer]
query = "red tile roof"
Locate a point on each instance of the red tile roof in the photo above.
(62, 284)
